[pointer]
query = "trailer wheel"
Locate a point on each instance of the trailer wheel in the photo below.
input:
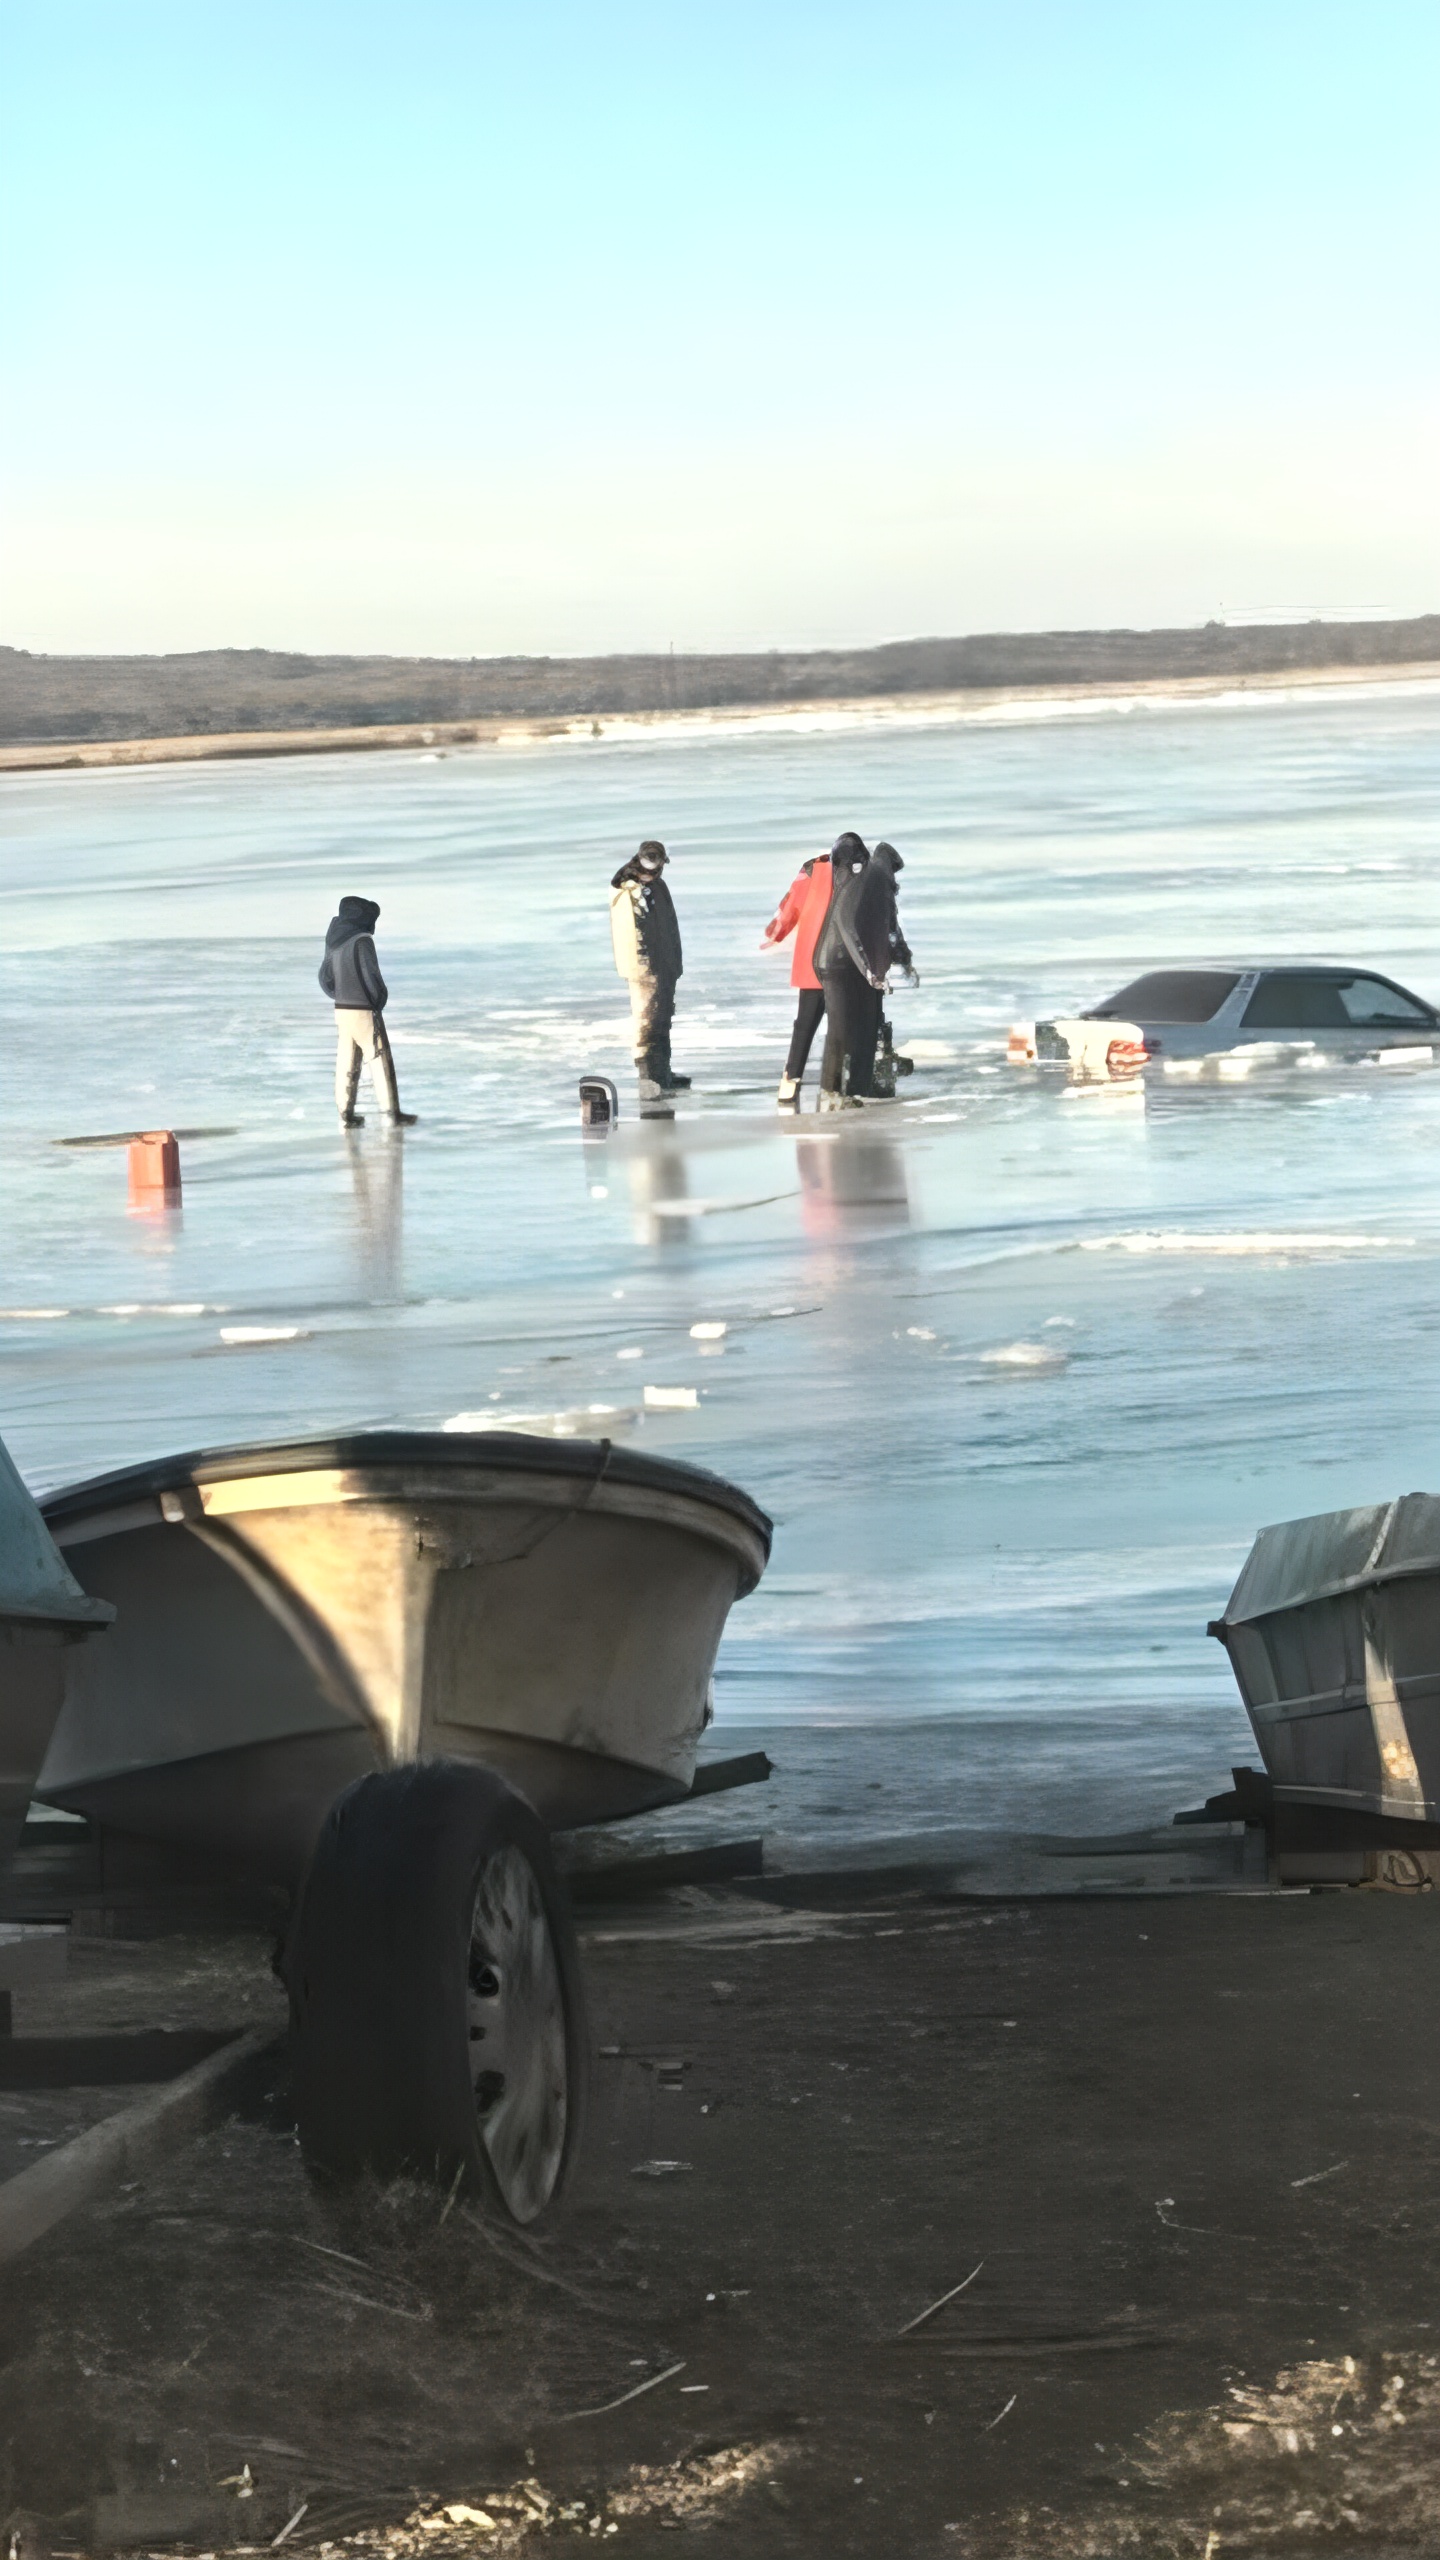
(435, 1991)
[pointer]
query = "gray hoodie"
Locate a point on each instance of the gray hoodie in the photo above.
(350, 970)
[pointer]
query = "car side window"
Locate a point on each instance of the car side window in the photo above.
(1169, 995)
(1294, 1000)
(1368, 1001)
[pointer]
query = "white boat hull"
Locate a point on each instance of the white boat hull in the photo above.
(288, 1618)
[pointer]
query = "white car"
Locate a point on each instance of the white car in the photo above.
(1180, 1014)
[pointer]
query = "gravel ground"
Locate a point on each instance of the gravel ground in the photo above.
(1186, 2153)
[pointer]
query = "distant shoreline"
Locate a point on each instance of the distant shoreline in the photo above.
(976, 704)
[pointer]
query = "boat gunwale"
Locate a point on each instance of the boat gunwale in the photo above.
(585, 1465)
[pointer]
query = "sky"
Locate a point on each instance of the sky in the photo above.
(456, 329)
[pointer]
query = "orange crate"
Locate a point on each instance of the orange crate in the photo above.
(154, 1168)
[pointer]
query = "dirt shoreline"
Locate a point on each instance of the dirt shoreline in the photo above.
(938, 709)
(1188, 2147)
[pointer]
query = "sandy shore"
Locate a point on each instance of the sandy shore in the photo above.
(918, 710)
(1185, 2151)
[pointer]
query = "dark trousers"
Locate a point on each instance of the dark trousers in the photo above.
(862, 1056)
(652, 1009)
(852, 1027)
(809, 1013)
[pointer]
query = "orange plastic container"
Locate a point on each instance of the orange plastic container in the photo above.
(154, 1168)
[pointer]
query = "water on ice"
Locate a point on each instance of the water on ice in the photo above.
(1018, 1382)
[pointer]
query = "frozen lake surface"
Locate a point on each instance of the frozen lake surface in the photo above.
(1017, 1374)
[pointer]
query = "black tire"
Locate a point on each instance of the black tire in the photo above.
(435, 1991)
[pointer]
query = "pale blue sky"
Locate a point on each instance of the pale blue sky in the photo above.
(453, 328)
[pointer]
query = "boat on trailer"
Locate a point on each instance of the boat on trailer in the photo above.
(380, 1669)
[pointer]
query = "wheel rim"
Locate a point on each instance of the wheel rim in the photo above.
(517, 2034)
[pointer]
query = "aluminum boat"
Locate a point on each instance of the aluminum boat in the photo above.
(291, 1617)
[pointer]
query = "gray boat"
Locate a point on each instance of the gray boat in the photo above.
(380, 1670)
(1333, 1634)
(43, 1614)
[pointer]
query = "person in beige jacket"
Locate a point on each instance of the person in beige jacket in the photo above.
(645, 932)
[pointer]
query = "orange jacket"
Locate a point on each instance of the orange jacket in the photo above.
(802, 912)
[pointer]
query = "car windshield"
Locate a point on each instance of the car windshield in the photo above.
(1169, 995)
(1312, 1000)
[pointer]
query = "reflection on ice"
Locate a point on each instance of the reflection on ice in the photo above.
(851, 1180)
(377, 1175)
(659, 1188)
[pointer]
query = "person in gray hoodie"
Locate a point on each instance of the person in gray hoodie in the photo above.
(350, 977)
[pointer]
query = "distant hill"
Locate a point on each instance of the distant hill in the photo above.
(217, 691)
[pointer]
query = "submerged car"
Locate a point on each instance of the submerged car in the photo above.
(1175, 1014)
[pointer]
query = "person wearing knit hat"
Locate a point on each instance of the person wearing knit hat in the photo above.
(645, 935)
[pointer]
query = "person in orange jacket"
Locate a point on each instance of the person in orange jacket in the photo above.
(802, 911)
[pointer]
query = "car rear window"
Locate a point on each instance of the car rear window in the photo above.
(1303, 1000)
(1169, 995)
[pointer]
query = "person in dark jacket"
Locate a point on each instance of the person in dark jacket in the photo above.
(845, 977)
(881, 947)
(350, 976)
(645, 933)
(879, 918)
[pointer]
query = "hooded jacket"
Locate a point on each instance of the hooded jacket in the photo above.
(877, 920)
(802, 911)
(839, 940)
(350, 971)
(644, 927)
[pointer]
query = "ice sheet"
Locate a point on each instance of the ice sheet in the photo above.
(1012, 1476)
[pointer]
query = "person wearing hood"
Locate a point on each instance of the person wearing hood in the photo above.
(881, 946)
(879, 916)
(645, 933)
(350, 977)
(802, 911)
(847, 981)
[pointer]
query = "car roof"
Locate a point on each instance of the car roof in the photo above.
(1266, 969)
